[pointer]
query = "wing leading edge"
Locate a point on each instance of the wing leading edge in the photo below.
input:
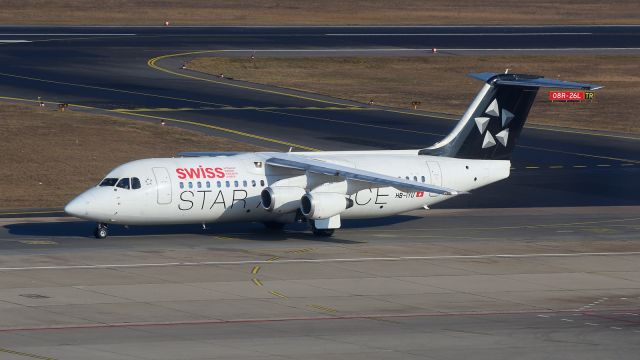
(326, 168)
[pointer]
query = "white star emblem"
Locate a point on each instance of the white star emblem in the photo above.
(482, 122)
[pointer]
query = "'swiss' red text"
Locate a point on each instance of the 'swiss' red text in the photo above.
(200, 173)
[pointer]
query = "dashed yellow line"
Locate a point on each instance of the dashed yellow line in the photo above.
(533, 167)
(601, 157)
(256, 282)
(278, 294)
(24, 354)
(255, 269)
(300, 251)
(274, 258)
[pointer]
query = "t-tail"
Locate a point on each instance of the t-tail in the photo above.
(492, 123)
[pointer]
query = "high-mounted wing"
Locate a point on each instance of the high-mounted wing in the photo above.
(304, 163)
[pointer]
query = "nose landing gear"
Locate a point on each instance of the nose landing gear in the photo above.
(101, 231)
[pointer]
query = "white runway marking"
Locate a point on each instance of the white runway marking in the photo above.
(287, 261)
(462, 34)
(13, 41)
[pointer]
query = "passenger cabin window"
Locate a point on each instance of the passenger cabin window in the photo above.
(109, 182)
(253, 183)
(123, 183)
(135, 183)
(261, 182)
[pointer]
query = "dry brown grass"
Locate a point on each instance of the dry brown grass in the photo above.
(49, 156)
(319, 12)
(440, 84)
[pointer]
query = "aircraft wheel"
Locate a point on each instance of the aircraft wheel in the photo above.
(101, 231)
(273, 225)
(321, 232)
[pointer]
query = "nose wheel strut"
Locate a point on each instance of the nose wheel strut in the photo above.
(101, 231)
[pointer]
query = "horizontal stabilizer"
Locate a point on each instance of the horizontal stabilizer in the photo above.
(530, 81)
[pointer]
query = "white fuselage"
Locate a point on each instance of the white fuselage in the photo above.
(227, 188)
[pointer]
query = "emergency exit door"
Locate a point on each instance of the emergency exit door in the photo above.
(163, 183)
(436, 175)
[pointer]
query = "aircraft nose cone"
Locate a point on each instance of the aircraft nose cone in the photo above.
(79, 206)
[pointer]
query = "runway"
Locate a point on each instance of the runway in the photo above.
(553, 283)
(542, 265)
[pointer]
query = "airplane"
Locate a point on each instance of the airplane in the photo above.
(323, 188)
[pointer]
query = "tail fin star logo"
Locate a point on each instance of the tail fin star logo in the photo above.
(482, 122)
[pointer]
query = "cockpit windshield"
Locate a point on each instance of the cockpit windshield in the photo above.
(135, 183)
(109, 182)
(123, 183)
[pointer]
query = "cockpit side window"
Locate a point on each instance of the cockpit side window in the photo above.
(135, 183)
(123, 183)
(109, 182)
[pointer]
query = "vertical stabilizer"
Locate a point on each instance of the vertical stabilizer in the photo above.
(493, 122)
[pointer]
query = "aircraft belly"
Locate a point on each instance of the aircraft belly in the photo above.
(378, 202)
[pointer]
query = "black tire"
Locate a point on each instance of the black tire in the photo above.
(101, 232)
(320, 232)
(323, 232)
(274, 225)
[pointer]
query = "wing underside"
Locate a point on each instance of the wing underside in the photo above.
(308, 164)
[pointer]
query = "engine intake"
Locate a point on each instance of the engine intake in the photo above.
(281, 199)
(323, 205)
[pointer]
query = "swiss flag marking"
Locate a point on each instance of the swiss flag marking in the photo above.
(420, 194)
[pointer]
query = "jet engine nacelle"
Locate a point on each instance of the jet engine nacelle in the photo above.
(318, 206)
(281, 199)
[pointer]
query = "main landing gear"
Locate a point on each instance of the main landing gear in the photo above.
(321, 232)
(101, 231)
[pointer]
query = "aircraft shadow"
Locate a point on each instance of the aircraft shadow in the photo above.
(245, 231)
